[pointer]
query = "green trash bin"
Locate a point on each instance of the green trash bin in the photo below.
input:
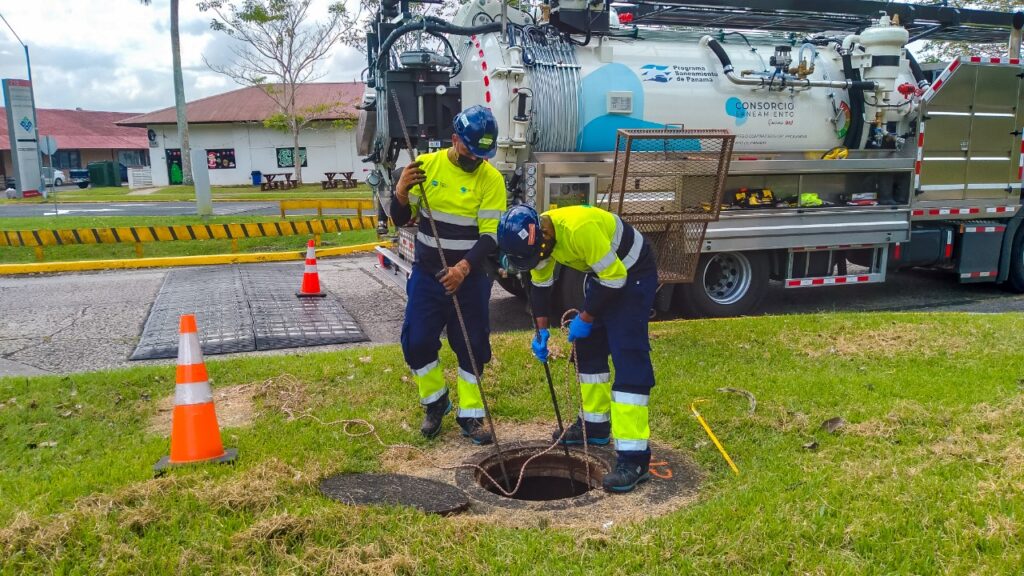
(103, 174)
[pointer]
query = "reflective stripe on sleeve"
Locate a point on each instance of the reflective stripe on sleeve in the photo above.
(451, 218)
(594, 378)
(494, 214)
(426, 369)
(605, 261)
(630, 398)
(446, 243)
(631, 445)
(617, 237)
(634, 250)
(198, 393)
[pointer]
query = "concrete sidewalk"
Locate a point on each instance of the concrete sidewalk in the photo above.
(67, 323)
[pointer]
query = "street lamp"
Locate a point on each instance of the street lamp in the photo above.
(28, 65)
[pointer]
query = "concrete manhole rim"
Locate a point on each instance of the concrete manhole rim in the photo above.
(466, 477)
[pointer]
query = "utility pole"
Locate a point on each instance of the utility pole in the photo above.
(28, 66)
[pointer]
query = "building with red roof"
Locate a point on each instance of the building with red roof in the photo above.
(83, 136)
(230, 128)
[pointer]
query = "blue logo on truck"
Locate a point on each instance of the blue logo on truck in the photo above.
(734, 107)
(655, 73)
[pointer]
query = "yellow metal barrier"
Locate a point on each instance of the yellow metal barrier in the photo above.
(336, 203)
(139, 234)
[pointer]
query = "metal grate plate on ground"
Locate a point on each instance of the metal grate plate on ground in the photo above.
(242, 309)
(281, 320)
(216, 297)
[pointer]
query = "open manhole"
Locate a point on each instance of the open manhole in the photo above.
(551, 480)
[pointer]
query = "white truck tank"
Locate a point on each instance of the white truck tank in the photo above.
(580, 97)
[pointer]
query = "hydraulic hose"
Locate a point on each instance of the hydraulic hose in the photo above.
(430, 24)
(787, 80)
(856, 132)
(915, 69)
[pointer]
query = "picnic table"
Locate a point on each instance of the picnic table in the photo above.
(345, 181)
(273, 184)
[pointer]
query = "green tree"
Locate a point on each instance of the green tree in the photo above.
(179, 93)
(277, 51)
(939, 50)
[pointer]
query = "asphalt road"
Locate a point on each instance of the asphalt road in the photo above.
(91, 321)
(136, 209)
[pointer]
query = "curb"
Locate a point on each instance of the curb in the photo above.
(171, 261)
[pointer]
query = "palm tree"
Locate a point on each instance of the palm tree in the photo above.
(179, 94)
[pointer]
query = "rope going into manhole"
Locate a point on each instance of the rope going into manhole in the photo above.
(350, 426)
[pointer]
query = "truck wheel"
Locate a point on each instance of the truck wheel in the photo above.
(513, 286)
(1015, 280)
(725, 284)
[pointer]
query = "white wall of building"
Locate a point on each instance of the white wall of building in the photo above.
(327, 149)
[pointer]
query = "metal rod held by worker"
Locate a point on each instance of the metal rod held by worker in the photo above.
(455, 298)
(551, 387)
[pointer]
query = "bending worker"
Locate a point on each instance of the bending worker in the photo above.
(620, 290)
(466, 196)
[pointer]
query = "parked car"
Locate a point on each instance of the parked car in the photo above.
(53, 176)
(79, 176)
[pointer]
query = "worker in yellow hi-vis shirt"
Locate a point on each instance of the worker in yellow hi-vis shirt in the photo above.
(466, 196)
(621, 284)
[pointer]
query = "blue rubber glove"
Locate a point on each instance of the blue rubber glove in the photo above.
(540, 345)
(579, 328)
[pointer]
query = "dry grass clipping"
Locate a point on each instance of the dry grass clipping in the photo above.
(894, 339)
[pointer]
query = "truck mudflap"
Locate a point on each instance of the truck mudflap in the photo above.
(980, 244)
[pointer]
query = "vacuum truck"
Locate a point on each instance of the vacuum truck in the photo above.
(844, 160)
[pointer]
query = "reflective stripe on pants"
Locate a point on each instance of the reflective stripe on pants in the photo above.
(471, 404)
(630, 421)
(430, 382)
(596, 391)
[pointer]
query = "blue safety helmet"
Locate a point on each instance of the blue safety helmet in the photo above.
(478, 130)
(519, 236)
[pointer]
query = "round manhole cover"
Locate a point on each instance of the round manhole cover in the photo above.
(391, 489)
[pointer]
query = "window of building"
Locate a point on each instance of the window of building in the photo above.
(220, 159)
(67, 159)
(133, 157)
(285, 157)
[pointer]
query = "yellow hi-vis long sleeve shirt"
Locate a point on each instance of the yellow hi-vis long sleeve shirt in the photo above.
(466, 207)
(594, 241)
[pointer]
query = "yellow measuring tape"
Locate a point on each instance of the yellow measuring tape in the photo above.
(693, 408)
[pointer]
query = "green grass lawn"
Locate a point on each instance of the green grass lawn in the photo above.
(926, 477)
(187, 193)
(10, 255)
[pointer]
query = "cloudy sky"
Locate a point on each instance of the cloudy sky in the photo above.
(116, 54)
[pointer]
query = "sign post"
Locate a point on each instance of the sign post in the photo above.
(201, 180)
(23, 133)
(48, 146)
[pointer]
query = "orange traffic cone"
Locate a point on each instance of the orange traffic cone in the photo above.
(310, 278)
(195, 435)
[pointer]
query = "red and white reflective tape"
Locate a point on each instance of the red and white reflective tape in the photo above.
(941, 79)
(917, 163)
(945, 211)
(1000, 209)
(835, 247)
(983, 229)
(1020, 169)
(979, 274)
(897, 250)
(948, 250)
(827, 281)
(980, 60)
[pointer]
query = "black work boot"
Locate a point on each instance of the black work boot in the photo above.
(597, 433)
(473, 428)
(627, 474)
(433, 415)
